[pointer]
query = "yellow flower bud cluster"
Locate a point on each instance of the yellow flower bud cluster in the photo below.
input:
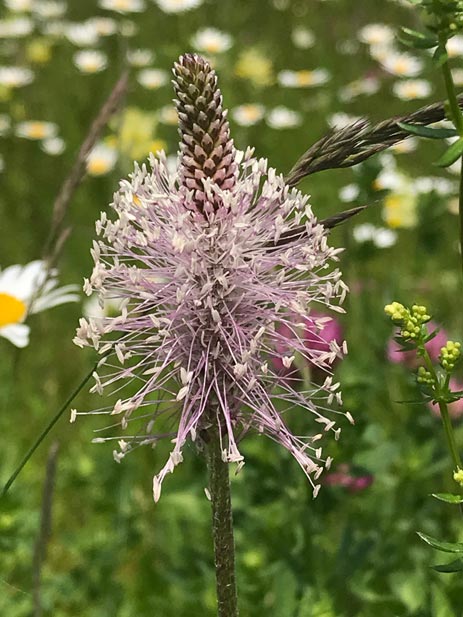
(410, 320)
(424, 377)
(449, 355)
(458, 476)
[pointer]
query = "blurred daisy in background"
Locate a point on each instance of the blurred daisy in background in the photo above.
(36, 129)
(82, 34)
(411, 89)
(255, 66)
(177, 6)
(15, 76)
(376, 34)
(283, 118)
(15, 28)
(140, 57)
(365, 86)
(54, 146)
(18, 6)
(104, 26)
(211, 41)
(102, 159)
(90, 60)
(454, 46)
(26, 290)
(340, 120)
(303, 79)
(151, 79)
(123, 6)
(168, 115)
(302, 38)
(379, 236)
(48, 9)
(248, 114)
(401, 64)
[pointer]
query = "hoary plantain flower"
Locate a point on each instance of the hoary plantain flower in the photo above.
(209, 261)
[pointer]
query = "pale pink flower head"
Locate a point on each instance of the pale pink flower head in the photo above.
(410, 358)
(207, 261)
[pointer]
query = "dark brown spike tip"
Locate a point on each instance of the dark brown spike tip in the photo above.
(206, 149)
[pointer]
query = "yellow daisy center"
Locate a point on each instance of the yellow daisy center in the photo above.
(98, 167)
(305, 78)
(36, 130)
(12, 310)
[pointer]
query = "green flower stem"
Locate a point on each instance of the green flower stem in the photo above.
(444, 412)
(46, 430)
(451, 93)
(222, 527)
(457, 118)
(443, 408)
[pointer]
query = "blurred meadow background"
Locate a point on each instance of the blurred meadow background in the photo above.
(289, 71)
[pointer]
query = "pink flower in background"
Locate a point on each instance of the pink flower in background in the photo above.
(409, 358)
(320, 333)
(343, 477)
(456, 408)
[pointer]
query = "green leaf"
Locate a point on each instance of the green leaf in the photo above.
(452, 154)
(449, 568)
(418, 40)
(446, 547)
(447, 497)
(427, 131)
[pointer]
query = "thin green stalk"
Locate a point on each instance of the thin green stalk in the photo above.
(457, 118)
(444, 412)
(46, 430)
(451, 93)
(443, 408)
(222, 528)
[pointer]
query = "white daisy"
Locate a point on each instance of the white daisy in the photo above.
(90, 60)
(283, 118)
(123, 6)
(248, 114)
(15, 76)
(410, 89)
(363, 86)
(140, 57)
(211, 41)
(18, 6)
(49, 9)
(36, 129)
(83, 34)
(402, 64)
(101, 159)
(104, 26)
(349, 193)
(16, 27)
(53, 146)
(177, 6)
(376, 34)
(303, 79)
(302, 38)
(380, 236)
(455, 46)
(151, 79)
(25, 290)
